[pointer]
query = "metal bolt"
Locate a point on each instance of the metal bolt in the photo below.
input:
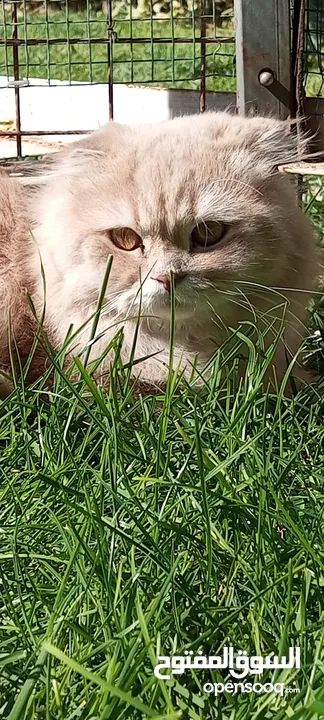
(266, 78)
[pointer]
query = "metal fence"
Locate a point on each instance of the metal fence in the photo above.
(308, 65)
(270, 59)
(184, 48)
(314, 48)
(98, 46)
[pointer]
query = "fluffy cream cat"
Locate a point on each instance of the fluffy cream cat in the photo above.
(200, 196)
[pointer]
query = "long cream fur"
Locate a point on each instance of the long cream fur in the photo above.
(159, 180)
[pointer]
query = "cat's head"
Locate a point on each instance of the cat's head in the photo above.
(200, 196)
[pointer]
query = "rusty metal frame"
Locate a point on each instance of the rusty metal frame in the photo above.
(111, 40)
(262, 37)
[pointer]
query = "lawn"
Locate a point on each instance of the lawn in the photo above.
(135, 526)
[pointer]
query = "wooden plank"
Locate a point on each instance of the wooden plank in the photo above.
(263, 42)
(303, 168)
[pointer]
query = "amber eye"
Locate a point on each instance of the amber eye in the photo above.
(205, 235)
(125, 238)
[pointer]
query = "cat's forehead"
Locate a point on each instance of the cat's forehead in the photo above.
(208, 166)
(197, 145)
(179, 172)
(207, 143)
(184, 156)
(189, 153)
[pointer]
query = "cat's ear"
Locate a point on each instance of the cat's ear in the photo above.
(276, 142)
(84, 155)
(80, 157)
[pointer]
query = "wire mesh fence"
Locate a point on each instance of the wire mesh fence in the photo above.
(177, 44)
(82, 45)
(314, 48)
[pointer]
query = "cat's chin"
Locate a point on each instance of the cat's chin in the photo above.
(163, 314)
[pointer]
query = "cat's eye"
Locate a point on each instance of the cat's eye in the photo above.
(206, 235)
(125, 239)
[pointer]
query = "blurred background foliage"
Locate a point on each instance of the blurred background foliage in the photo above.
(219, 9)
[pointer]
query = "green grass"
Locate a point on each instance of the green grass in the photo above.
(157, 63)
(133, 527)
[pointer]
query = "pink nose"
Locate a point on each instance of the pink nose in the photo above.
(166, 282)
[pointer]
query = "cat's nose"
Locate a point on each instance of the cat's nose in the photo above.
(166, 281)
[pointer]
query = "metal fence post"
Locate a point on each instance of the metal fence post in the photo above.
(263, 44)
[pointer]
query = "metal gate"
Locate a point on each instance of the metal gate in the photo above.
(201, 54)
